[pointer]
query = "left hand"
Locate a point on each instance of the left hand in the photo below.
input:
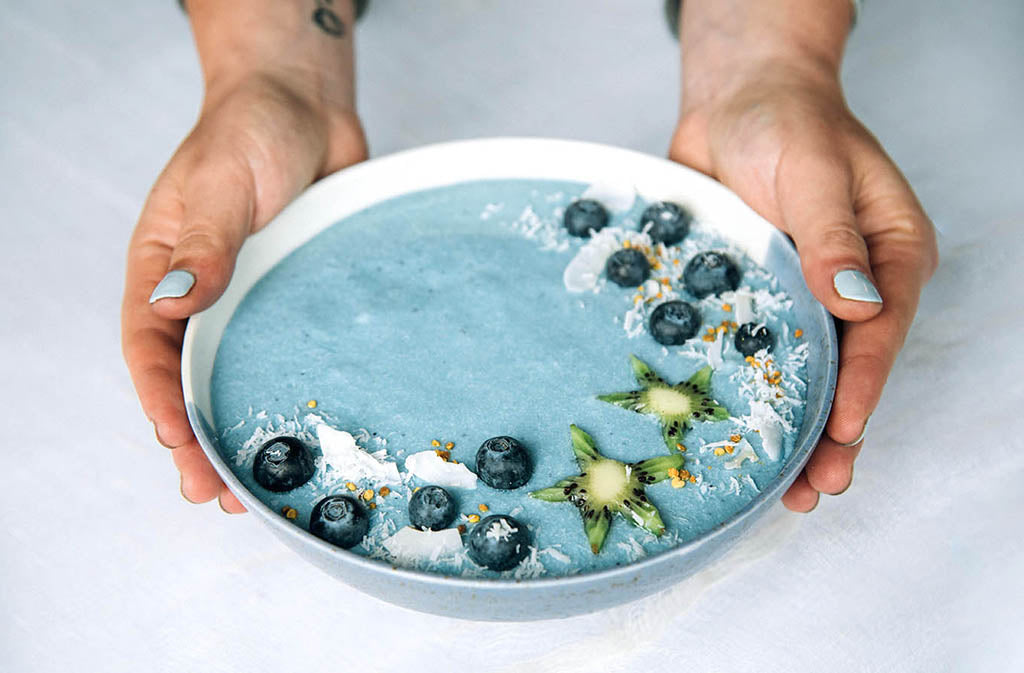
(784, 140)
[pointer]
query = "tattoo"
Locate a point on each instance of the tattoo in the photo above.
(325, 18)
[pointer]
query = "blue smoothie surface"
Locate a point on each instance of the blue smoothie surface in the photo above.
(442, 315)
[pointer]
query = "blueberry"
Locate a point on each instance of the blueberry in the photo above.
(499, 542)
(585, 216)
(340, 520)
(432, 507)
(710, 273)
(673, 322)
(502, 462)
(751, 338)
(627, 267)
(283, 463)
(669, 222)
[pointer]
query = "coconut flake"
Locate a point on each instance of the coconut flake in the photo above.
(490, 210)
(345, 458)
(548, 232)
(715, 351)
(616, 196)
(634, 321)
(771, 439)
(585, 268)
(745, 452)
(743, 305)
(411, 545)
(434, 469)
(632, 549)
(499, 529)
(529, 568)
(557, 555)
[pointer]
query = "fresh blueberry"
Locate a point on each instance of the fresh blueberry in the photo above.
(432, 507)
(673, 322)
(585, 216)
(669, 222)
(504, 463)
(751, 338)
(498, 542)
(340, 520)
(710, 273)
(283, 463)
(627, 267)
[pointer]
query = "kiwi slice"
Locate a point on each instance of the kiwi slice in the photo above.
(676, 406)
(605, 487)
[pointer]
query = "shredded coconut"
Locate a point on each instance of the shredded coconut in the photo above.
(344, 459)
(499, 530)
(434, 469)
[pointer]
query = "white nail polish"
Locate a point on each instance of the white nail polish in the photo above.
(175, 284)
(854, 285)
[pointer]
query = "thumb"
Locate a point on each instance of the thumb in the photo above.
(816, 205)
(218, 198)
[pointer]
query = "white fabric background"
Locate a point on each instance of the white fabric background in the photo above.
(103, 567)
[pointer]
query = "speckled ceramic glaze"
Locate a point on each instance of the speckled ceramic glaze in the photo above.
(356, 188)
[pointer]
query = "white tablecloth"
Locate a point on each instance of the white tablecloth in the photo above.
(103, 567)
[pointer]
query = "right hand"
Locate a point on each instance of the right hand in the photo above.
(260, 140)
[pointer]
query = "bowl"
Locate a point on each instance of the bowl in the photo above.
(357, 187)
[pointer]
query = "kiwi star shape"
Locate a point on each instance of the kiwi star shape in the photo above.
(606, 487)
(675, 406)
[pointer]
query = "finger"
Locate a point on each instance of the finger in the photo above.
(830, 468)
(199, 481)
(903, 254)
(229, 503)
(868, 350)
(219, 200)
(800, 497)
(151, 343)
(816, 203)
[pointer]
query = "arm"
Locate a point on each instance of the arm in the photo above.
(278, 112)
(763, 111)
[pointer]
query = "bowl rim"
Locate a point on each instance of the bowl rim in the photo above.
(767, 496)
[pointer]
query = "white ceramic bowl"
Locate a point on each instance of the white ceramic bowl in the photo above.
(355, 188)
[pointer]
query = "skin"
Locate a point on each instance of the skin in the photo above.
(278, 113)
(762, 111)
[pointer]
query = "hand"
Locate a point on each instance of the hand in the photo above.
(784, 140)
(259, 141)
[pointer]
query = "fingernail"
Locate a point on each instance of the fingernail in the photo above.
(852, 284)
(175, 284)
(860, 437)
(220, 503)
(181, 489)
(848, 484)
(159, 439)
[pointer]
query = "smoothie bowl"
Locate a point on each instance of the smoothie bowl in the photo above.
(512, 379)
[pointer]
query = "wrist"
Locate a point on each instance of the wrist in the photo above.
(276, 41)
(730, 45)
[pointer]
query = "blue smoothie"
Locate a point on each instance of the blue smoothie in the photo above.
(443, 318)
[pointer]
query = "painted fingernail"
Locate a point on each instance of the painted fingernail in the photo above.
(175, 284)
(852, 284)
(860, 437)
